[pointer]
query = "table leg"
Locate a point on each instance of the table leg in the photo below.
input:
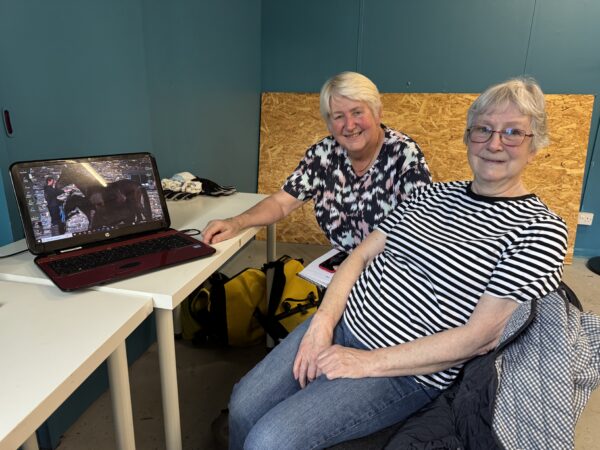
(31, 443)
(118, 377)
(168, 378)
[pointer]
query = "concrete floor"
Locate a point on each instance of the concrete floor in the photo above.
(206, 376)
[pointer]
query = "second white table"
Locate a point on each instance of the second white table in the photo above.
(50, 342)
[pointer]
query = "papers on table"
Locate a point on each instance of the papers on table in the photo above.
(315, 274)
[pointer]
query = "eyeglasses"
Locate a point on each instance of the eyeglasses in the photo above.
(512, 137)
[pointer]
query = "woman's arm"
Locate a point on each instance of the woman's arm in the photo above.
(426, 355)
(266, 212)
(320, 332)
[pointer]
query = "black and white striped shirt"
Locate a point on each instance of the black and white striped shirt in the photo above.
(445, 247)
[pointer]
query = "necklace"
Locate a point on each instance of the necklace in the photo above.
(366, 167)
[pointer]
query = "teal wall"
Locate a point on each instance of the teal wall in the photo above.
(97, 77)
(73, 78)
(203, 75)
(442, 46)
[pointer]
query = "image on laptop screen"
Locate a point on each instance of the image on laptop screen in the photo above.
(70, 202)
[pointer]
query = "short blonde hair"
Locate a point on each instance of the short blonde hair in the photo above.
(353, 86)
(524, 93)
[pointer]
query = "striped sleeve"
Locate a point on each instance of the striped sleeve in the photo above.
(532, 265)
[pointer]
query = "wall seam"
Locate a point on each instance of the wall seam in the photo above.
(359, 40)
(529, 37)
(592, 147)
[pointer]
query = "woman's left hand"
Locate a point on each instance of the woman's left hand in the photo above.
(344, 362)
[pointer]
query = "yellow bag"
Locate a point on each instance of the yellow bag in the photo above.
(233, 311)
(244, 295)
(221, 311)
(292, 299)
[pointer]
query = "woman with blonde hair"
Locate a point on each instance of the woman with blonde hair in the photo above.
(356, 176)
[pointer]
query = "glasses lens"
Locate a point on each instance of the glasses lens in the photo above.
(512, 136)
(509, 136)
(480, 134)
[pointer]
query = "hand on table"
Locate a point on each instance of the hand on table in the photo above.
(220, 230)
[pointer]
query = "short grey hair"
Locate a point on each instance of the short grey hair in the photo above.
(353, 86)
(524, 93)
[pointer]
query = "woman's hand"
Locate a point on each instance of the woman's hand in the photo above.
(344, 362)
(220, 230)
(269, 210)
(317, 338)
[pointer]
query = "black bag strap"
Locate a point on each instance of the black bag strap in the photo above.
(278, 283)
(302, 306)
(270, 322)
(272, 327)
(212, 320)
(218, 310)
(310, 298)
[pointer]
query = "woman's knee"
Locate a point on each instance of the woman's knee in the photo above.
(266, 435)
(241, 403)
(241, 416)
(250, 399)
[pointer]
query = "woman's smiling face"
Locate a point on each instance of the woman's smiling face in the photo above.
(496, 166)
(354, 125)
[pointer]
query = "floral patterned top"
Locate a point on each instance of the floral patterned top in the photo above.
(348, 206)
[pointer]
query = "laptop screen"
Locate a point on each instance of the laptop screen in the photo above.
(68, 203)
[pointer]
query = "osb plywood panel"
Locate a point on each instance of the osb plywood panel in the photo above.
(291, 122)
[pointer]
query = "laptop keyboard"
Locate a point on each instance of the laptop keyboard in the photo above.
(93, 260)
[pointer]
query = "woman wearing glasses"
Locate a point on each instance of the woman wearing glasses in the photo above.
(432, 287)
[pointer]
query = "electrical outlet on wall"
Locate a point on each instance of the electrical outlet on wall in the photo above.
(585, 218)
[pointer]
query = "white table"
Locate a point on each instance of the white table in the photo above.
(50, 342)
(168, 287)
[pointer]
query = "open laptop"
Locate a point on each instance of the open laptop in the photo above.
(94, 220)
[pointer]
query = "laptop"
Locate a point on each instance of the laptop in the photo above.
(95, 220)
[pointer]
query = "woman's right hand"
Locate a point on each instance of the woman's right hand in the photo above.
(220, 230)
(267, 211)
(318, 337)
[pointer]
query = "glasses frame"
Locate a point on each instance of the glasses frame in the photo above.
(501, 134)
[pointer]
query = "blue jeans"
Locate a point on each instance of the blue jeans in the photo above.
(269, 410)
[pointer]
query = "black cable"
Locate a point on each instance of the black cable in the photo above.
(191, 231)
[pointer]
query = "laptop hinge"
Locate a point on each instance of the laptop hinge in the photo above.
(69, 250)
